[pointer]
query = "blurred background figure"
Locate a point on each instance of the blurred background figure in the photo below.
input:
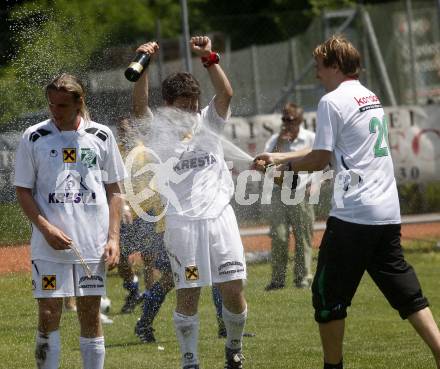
(137, 235)
(282, 217)
(141, 236)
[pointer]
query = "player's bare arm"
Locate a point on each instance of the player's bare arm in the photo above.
(140, 90)
(201, 46)
(277, 158)
(111, 251)
(54, 236)
(315, 160)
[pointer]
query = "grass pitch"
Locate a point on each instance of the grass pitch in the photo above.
(287, 336)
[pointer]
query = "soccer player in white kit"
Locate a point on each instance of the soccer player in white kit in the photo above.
(66, 176)
(363, 230)
(202, 236)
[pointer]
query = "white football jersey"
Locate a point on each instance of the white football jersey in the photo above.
(352, 124)
(67, 171)
(198, 182)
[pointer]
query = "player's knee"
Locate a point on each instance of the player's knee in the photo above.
(326, 314)
(49, 320)
(232, 290)
(418, 303)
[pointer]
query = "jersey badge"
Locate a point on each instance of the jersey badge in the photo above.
(69, 155)
(49, 282)
(192, 273)
(88, 157)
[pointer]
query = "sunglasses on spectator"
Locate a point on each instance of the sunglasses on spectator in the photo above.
(290, 120)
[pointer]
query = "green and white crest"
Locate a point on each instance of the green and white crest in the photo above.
(88, 157)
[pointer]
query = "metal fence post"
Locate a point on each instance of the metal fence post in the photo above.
(409, 17)
(378, 56)
(185, 31)
(256, 78)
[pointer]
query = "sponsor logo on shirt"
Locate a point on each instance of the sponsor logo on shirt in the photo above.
(88, 157)
(69, 155)
(192, 273)
(49, 282)
(368, 102)
(72, 190)
(194, 160)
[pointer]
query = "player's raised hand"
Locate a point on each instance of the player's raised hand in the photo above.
(201, 45)
(151, 48)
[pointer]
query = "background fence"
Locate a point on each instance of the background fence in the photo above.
(400, 46)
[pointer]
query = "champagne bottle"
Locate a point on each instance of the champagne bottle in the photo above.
(137, 66)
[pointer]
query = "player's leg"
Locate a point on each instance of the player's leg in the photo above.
(187, 247)
(279, 232)
(91, 335)
(301, 218)
(186, 324)
(69, 303)
(48, 343)
(234, 314)
(342, 260)
(399, 283)
(148, 270)
(51, 283)
(130, 283)
(88, 292)
(155, 296)
(425, 325)
(217, 299)
(129, 242)
(228, 269)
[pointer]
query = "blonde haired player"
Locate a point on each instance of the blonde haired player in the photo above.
(363, 230)
(66, 176)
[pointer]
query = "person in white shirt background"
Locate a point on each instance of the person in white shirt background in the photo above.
(300, 217)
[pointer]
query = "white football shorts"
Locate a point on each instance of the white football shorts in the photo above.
(50, 279)
(205, 251)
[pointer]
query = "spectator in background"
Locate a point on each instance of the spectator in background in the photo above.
(300, 218)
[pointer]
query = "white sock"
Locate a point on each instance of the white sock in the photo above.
(187, 332)
(234, 324)
(92, 352)
(47, 350)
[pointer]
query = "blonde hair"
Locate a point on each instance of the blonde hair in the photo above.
(337, 50)
(71, 84)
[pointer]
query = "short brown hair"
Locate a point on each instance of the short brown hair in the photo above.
(337, 50)
(180, 84)
(294, 110)
(69, 83)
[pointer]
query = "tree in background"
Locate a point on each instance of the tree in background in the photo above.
(49, 36)
(66, 35)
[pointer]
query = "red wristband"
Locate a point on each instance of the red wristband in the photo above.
(211, 59)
